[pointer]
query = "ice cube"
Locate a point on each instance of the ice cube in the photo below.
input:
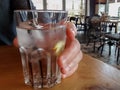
(24, 38)
(37, 35)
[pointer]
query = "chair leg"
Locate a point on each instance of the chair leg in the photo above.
(102, 47)
(94, 46)
(109, 50)
(88, 42)
(118, 55)
(115, 50)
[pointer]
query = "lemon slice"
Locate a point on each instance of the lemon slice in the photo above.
(59, 47)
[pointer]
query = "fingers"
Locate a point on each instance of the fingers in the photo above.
(71, 26)
(70, 58)
(71, 29)
(69, 65)
(69, 53)
(71, 72)
(15, 42)
(71, 32)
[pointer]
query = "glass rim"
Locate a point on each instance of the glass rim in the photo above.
(63, 28)
(52, 11)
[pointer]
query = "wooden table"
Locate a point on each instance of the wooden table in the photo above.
(92, 74)
(113, 36)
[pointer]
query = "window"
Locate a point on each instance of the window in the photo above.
(113, 9)
(100, 8)
(119, 12)
(75, 7)
(54, 5)
(38, 4)
(70, 7)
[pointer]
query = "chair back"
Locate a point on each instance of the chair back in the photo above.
(75, 20)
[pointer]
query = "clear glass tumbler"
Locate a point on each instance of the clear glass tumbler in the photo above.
(41, 37)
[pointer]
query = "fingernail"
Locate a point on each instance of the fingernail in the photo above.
(67, 69)
(64, 76)
(73, 32)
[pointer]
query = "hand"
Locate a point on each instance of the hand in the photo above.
(68, 61)
(15, 42)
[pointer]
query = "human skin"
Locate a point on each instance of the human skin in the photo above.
(71, 56)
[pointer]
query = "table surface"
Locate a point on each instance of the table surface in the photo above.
(92, 74)
(112, 21)
(115, 36)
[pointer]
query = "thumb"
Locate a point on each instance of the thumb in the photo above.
(71, 30)
(70, 34)
(15, 42)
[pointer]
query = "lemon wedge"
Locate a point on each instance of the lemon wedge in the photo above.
(59, 47)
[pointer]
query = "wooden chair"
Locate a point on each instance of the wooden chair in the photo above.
(94, 31)
(75, 20)
(84, 26)
(117, 50)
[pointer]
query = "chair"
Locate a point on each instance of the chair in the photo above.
(111, 26)
(109, 42)
(75, 20)
(118, 51)
(81, 24)
(84, 26)
(98, 35)
(94, 31)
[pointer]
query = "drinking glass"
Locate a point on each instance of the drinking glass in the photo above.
(41, 38)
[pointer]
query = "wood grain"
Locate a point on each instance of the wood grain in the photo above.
(92, 74)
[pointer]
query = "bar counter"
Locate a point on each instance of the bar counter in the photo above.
(92, 74)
